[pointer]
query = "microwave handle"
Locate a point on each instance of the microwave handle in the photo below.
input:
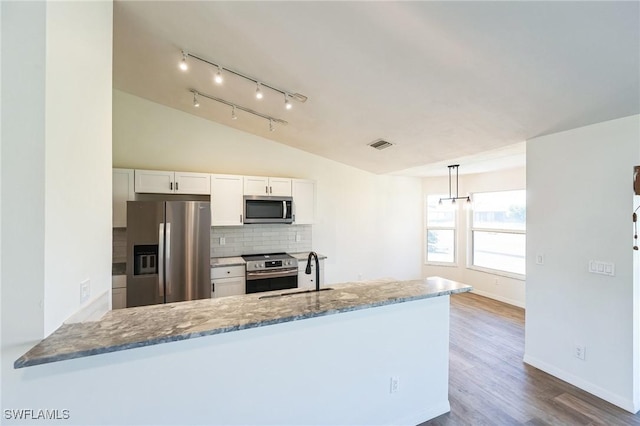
(284, 205)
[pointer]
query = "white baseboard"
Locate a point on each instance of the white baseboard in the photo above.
(94, 310)
(499, 298)
(624, 403)
(424, 414)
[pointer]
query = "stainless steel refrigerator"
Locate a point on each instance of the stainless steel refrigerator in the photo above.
(168, 247)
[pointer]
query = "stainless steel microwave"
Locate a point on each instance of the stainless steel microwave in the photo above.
(262, 209)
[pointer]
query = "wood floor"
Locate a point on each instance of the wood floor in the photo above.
(489, 384)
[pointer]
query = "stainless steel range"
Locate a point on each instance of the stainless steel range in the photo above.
(267, 272)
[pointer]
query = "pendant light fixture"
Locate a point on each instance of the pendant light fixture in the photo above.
(452, 198)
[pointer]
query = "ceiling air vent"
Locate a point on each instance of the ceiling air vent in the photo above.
(380, 144)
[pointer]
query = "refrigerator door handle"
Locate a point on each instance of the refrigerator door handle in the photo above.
(161, 260)
(168, 257)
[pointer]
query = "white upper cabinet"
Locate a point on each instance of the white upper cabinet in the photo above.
(267, 186)
(226, 200)
(192, 183)
(154, 181)
(166, 182)
(122, 192)
(304, 201)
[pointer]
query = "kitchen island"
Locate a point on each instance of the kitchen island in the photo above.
(324, 355)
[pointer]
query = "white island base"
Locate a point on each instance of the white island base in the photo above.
(329, 370)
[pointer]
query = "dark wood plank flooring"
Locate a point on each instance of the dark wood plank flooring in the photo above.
(489, 384)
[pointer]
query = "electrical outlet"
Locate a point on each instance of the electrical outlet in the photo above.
(394, 384)
(540, 259)
(580, 352)
(298, 237)
(223, 241)
(85, 290)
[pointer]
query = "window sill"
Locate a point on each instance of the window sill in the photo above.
(498, 272)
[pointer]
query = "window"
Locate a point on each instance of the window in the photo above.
(441, 231)
(498, 231)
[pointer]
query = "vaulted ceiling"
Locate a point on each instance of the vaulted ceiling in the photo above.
(442, 81)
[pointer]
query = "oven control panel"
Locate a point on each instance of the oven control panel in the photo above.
(272, 264)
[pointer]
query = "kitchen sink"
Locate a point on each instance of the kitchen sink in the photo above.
(292, 293)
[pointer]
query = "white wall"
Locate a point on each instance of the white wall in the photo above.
(579, 205)
(78, 156)
(500, 287)
(56, 160)
(367, 225)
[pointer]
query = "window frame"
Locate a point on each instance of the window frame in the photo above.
(427, 228)
(471, 240)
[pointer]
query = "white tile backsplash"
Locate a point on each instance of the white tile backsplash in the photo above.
(255, 239)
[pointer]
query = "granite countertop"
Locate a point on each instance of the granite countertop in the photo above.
(304, 254)
(151, 325)
(119, 268)
(217, 262)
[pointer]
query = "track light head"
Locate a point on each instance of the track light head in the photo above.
(271, 127)
(218, 77)
(258, 91)
(287, 102)
(195, 100)
(233, 113)
(183, 63)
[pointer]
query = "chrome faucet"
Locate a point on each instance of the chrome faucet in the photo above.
(308, 268)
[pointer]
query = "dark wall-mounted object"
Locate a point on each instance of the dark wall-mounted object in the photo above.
(636, 180)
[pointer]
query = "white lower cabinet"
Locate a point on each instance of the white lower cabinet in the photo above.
(227, 281)
(118, 291)
(308, 282)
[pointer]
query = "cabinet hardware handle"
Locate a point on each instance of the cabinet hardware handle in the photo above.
(266, 189)
(213, 287)
(271, 190)
(176, 186)
(240, 218)
(171, 186)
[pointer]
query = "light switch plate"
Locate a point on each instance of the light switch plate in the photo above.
(602, 268)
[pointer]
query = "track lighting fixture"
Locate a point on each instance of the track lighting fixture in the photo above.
(183, 63)
(218, 76)
(287, 103)
(272, 120)
(195, 100)
(453, 199)
(287, 93)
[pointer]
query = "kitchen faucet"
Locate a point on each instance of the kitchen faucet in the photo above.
(308, 268)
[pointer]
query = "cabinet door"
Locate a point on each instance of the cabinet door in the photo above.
(122, 192)
(118, 298)
(192, 183)
(280, 187)
(223, 287)
(304, 201)
(256, 185)
(154, 181)
(226, 200)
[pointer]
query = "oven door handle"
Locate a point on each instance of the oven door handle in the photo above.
(274, 274)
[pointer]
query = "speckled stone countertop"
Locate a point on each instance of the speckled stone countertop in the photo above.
(303, 255)
(151, 325)
(217, 262)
